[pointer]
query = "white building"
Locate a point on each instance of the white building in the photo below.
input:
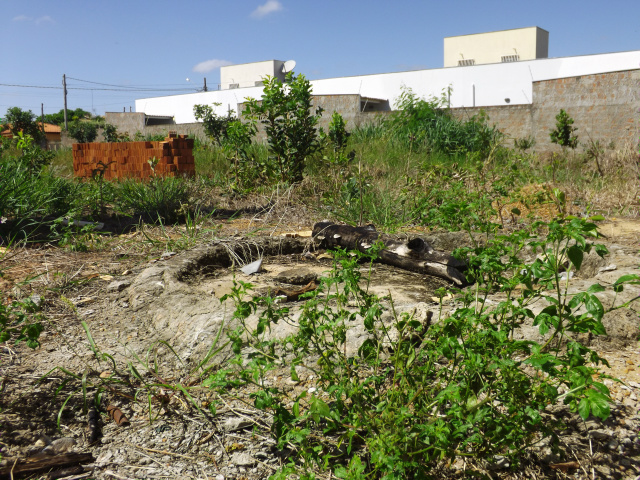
(493, 47)
(506, 82)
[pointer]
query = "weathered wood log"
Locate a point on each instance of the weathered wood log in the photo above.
(44, 462)
(415, 254)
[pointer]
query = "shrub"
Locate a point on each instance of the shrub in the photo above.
(28, 191)
(285, 111)
(83, 131)
(158, 198)
(420, 123)
(420, 391)
(563, 134)
(215, 126)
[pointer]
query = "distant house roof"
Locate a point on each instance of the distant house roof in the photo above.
(48, 128)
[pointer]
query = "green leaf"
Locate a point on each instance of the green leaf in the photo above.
(319, 409)
(599, 404)
(584, 408)
(368, 350)
(595, 288)
(633, 279)
(594, 307)
(576, 255)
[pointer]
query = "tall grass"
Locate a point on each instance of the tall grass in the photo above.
(28, 197)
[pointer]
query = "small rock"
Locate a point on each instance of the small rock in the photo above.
(234, 423)
(36, 300)
(242, 459)
(261, 455)
(500, 463)
(608, 268)
(40, 443)
(600, 434)
(118, 285)
(60, 445)
(166, 255)
(296, 276)
(219, 477)
(603, 470)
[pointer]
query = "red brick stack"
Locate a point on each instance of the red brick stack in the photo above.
(173, 158)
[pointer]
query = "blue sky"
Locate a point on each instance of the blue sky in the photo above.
(143, 45)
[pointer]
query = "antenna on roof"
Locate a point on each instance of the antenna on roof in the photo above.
(288, 66)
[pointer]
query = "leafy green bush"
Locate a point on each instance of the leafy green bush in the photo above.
(110, 133)
(422, 390)
(215, 126)
(158, 198)
(563, 134)
(285, 111)
(20, 322)
(83, 131)
(337, 139)
(426, 124)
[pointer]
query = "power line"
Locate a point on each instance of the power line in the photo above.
(27, 86)
(124, 86)
(126, 89)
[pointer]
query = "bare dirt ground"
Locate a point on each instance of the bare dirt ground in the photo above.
(131, 298)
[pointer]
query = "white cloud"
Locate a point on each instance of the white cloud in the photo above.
(208, 65)
(37, 21)
(264, 10)
(44, 19)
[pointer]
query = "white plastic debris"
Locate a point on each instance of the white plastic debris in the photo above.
(253, 267)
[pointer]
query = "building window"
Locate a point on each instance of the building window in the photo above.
(466, 63)
(510, 58)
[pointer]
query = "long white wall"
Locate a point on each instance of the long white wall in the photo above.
(479, 85)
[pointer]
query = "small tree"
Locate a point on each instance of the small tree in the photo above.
(110, 133)
(337, 138)
(563, 135)
(215, 126)
(83, 131)
(236, 147)
(58, 118)
(23, 121)
(285, 111)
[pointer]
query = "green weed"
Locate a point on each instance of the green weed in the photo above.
(422, 391)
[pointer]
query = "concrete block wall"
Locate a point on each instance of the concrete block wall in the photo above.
(605, 107)
(512, 120)
(126, 122)
(174, 158)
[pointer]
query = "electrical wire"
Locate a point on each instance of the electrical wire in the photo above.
(127, 89)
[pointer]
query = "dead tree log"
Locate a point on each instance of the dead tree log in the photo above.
(415, 254)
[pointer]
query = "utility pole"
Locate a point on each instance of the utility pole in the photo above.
(205, 84)
(42, 119)
(64, 88)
